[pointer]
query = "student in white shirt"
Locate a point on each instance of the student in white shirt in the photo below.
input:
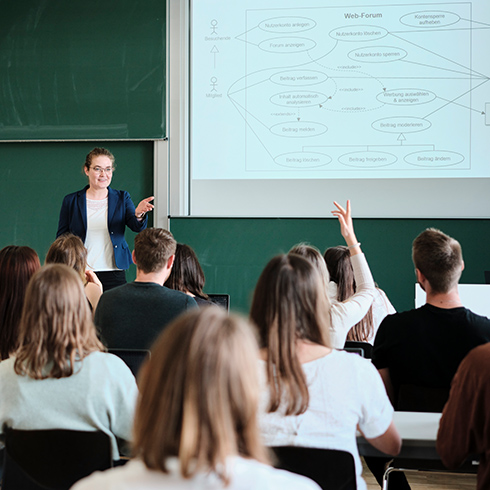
(343, 315)
(343, 288)
(314, 396)
(195, 425)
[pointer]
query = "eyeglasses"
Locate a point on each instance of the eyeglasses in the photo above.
(99, 170)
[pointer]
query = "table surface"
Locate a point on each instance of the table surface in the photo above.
(418, 431)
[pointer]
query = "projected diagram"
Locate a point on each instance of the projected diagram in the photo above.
(339, 88)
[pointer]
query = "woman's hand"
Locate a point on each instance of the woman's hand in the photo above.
(347, 227)
(91, 276)
(144, 207)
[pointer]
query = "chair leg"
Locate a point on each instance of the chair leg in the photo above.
(386, 477)
(399, 480)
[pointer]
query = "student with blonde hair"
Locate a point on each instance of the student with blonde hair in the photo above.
(59, 377)
(69, 249)
(195, 425)
(313, 395)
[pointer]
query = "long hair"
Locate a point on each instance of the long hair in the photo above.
(187, 274)
(315, 257)
(341, 273)
(69, 249)
(56, 326)
(199, 395)
(289, 304)
(17, 265)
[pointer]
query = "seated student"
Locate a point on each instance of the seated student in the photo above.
(187, 275)
(132, 316)
(346, 314)
(464, 429)
(314, 396)
(195, 425)
(343, 286)
(59, 378)
(69, 249)
(424, 347)
(17, 265)
(437, 335)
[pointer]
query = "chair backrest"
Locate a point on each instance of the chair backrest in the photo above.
(365, 346)
(412, 398)
(134, 358)
(355, 350)
(53, 459)
(222, 300)
(330, 468)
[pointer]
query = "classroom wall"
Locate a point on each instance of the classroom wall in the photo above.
(234, 251)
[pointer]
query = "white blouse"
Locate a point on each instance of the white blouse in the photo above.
(381, 307)
(345, 391)
(100, 254)
(346, 314)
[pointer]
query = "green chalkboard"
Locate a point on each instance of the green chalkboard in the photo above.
(233, 252)
(34, 178)
(82, 69)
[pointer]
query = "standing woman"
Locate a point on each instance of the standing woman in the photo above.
(99, 215)
(17, 265)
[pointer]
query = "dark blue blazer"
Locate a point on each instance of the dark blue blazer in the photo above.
(120, 213)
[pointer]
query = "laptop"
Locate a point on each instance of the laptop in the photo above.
(222, 300)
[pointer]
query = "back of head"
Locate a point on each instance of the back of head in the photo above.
(17, 265)
(289, 304)
(199, 394)
(68, 249)
(152, 249)
(340, 269)
(439, 258)
(187, 275)
(315, 257)
(56, 325)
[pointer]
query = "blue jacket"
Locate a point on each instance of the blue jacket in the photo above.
(120, 213)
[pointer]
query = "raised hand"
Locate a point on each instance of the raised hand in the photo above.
(346, 226)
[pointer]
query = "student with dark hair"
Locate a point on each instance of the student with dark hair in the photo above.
(313, 395)
(187, 275)
(342, 287)
(17, 265)
(59, 377)
(195, 424)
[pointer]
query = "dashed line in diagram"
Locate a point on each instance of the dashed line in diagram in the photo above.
(362, 88)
